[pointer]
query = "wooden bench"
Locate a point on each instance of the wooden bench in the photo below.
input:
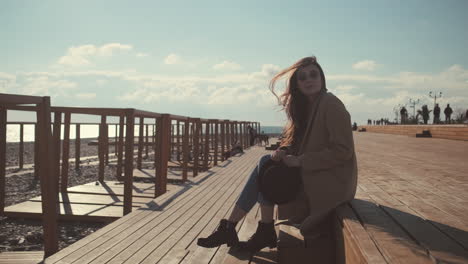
(364, 231)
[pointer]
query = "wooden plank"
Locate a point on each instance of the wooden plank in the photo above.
(28, 257)
(216, 136)
(147, 217)
(394, 243)
(207, 144)
(163, 241)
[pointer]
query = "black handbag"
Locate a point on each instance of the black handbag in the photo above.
(279, 183)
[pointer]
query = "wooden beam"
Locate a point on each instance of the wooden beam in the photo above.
(49, 177)
(196, 145)
(3, 129)
(65, 153)
(140, 142)
(36, 152)
(120, 147)
(223, 138)
(57, 135)
(216, 124)
(164, 137)
(146, 140)
(185, 149)
(128, 181)
(90, 110)
(207, 145)
(21, 147)
(19, 99)
(106, 143)
(178, 140)
(77, 146)
(101, 146)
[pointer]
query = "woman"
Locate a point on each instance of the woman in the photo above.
(319, 140)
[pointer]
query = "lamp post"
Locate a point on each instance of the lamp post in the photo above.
(413, 104)
(435, 96)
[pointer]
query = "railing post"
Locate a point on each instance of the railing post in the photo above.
(120, 146)
(178, 140)
(185, 149)
(196, 145)
(49, 176)
(164, 135)
(36, 152)
(140, 142)
(3, 129)
(65, 153)
(216, 124)
(21, 146)
(207, 145)
(77, 146)
(56, 135)
(146, 140)
(223, 138)
(106, 143)
(128, 177)
(101, 146)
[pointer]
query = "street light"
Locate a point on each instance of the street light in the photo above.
(413, 104)
(435, 96)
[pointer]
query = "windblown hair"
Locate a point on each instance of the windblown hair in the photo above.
(293, 101)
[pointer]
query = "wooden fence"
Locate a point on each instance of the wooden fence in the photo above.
(196, 136)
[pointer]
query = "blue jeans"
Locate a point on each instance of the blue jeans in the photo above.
(250, 194)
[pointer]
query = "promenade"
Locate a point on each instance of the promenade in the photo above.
(412, 204)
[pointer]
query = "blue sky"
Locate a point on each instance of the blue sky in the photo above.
(214, 59)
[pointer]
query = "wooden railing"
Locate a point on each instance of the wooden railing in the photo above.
(197, 135)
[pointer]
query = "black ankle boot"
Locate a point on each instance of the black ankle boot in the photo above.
(225, 234)
(265, 236)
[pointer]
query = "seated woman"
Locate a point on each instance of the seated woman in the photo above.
(320, 141)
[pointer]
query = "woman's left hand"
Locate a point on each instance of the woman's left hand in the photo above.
(291, 161)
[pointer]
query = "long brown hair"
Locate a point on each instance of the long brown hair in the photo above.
(293, 101)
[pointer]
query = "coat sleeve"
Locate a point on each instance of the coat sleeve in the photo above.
(340, 145)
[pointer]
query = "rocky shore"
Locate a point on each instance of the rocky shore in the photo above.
(26, 235)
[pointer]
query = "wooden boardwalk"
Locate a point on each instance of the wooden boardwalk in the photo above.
(166, 229)
(411, 207)
(412, 198)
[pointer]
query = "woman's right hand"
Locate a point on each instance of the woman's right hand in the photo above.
(278, 155)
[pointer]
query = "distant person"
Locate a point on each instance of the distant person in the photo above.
(466, 115)
(425, 113)
(448, 113)
(369, 122)
(404, 115)
(318, 141)
(436, 114)
(354, 126)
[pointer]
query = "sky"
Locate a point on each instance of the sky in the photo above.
(214, 59)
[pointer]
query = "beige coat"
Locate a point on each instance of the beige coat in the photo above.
(328, 162)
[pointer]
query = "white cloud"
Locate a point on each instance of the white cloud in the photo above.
(142, 55)
(345, 88)
(43, 85)
(367, 65)
(172, 59)
(86, 96)
(81, 55)
(101, 82)
(227, 65)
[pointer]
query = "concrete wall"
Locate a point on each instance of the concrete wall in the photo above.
(458, 132)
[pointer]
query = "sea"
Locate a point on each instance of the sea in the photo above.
(92, 131)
